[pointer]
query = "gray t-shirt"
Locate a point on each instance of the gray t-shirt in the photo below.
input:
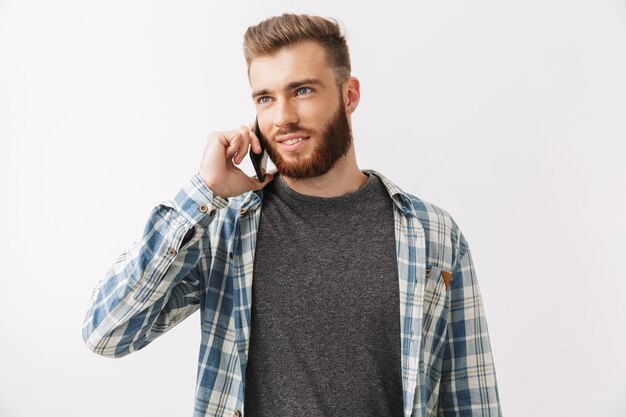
(325, 335)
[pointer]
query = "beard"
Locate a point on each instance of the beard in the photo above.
(336, 139)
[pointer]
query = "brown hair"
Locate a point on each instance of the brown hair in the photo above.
(278, 32)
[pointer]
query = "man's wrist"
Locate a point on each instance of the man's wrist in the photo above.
(212, 186)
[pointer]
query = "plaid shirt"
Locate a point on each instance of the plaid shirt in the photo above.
(447, 366)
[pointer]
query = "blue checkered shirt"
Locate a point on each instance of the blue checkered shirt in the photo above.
(197, 252)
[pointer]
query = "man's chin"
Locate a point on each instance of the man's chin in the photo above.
(295, 170)
(293, 162)
(303, 170)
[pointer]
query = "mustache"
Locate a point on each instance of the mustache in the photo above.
(290, 130)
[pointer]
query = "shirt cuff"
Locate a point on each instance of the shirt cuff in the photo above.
(196, 200)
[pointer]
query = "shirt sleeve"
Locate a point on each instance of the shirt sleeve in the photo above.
(468, 380)
(156, 282)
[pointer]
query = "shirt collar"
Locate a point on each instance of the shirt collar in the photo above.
(401, 199)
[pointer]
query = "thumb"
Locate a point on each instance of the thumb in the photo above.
(258, 184)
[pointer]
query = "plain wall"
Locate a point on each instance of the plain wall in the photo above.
(510, 115)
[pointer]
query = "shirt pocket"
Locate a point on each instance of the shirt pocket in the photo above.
(435, 329)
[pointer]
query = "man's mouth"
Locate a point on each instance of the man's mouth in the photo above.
(292, 142)
(291, 137)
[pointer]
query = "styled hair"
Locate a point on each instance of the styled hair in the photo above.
(277, 32)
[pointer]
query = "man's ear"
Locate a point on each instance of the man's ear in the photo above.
(351, 94)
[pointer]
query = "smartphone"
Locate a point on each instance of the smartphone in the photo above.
(259, 161)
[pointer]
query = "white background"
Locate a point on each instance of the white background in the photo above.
(510, 115)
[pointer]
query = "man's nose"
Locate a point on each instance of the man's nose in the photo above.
(286, 115)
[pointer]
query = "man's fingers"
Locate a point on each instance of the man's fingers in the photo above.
(257, 185)
(243, 146)
(255, 141)
(222, 153)
(238, 143)
(252, 139)
(233, 144)
(268, 177)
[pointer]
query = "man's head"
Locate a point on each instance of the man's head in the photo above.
(272, 34)
(299, 71)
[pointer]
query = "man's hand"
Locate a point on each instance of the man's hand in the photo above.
(223, 151)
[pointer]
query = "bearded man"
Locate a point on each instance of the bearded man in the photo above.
(325, 289)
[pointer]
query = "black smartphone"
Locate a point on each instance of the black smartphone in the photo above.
(259, 160)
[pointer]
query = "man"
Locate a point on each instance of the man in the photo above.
(324, 290)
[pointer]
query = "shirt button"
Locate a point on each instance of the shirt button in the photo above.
(237, 413)
(427, 272)
(212, 213)
(243, 212)
(171, 252)
(204, 208)
(231, 255)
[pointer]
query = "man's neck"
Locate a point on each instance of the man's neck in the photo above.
(343, 178)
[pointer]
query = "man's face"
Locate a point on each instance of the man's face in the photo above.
(300, 110)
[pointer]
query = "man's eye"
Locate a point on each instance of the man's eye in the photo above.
(303, 90)
(264, 99)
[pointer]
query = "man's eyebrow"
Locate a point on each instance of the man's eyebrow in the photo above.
(292, 85)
